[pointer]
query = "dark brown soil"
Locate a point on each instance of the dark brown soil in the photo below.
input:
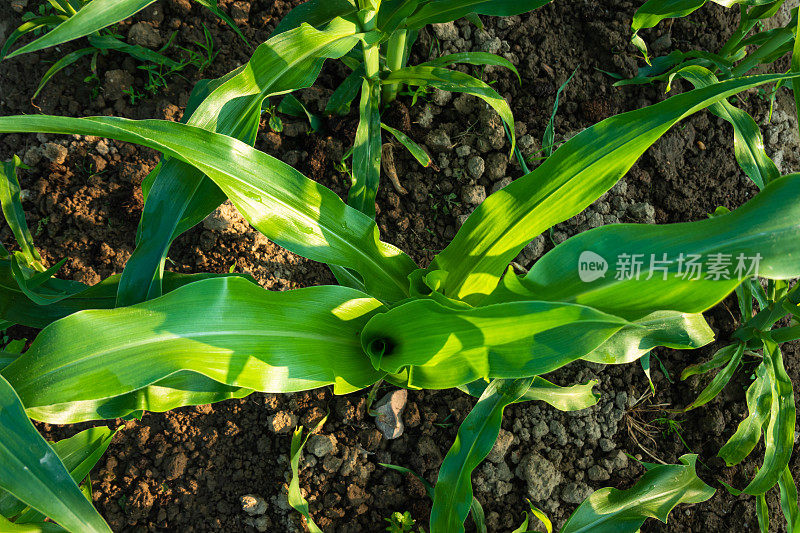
(186, 470)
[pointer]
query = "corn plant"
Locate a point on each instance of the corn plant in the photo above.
(153, 340)
(72, 19)
(380, 69)
(741, 53)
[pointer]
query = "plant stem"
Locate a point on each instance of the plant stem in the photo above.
(751, 61)
(395, 55)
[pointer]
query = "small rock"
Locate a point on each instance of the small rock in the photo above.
(261, 523)
(527, 144)
(240, 12)
(606, 444)
(446, 31)
(533, 251)
(19, 5)
(253, 504)
(441, 98)
(116, 83)
(474, 194)
(500, 184)
(282, 422)
(476, 166)
(662, 44)
(32, 156)
(540, 474)
(388, 413)
(496, 166)
(501, 446)
(321, 445)
(575, 492)
(175, 466)
(102, 147)
(463, 150)
(144, 34)
(643, 212)
(226, 219)
(598, 473)
(55, 153)
(621, 460)
(438, 141)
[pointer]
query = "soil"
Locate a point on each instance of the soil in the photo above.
(188, 469)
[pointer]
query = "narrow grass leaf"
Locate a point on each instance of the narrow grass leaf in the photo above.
(15, 214)
(788, 490)
(473, 58)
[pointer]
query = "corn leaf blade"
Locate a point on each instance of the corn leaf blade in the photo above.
(663, 487)
(476, 436)
(32, 472)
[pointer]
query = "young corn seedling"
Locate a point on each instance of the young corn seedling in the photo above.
(154, 340)
(72, 19)
(380, 70)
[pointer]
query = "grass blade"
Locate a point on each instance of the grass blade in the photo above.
(296, 499)
(416, 150)
(748, 433)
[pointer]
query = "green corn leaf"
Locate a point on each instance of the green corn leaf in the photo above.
(181, 196)
(438, 11)
(43, 527)
(572, 398)
(15, 214)
(111, 42)
(32, 472)
(748, 433)
(654, 11)
(720, 358)
(762, 513)
(79, 454)
(34, 286)
(178, 390)
(578, 173)
(367, 151)
(317, 13)
(789, 506)
(440, 347)
(779, 432)
(765, 226)
(796, 68)
(720, 380)
(94, 16)
(28, 27)
(748, 144)
(290, 105)
(16, 307)
(663, 487)
(671, 329)
(393, 14)
(456, 82)
(414, 149)
(60, 65)
(473, 58)
(296, 499)
(476, 436)
(226, 329)
(290, 209)
(346, 92)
